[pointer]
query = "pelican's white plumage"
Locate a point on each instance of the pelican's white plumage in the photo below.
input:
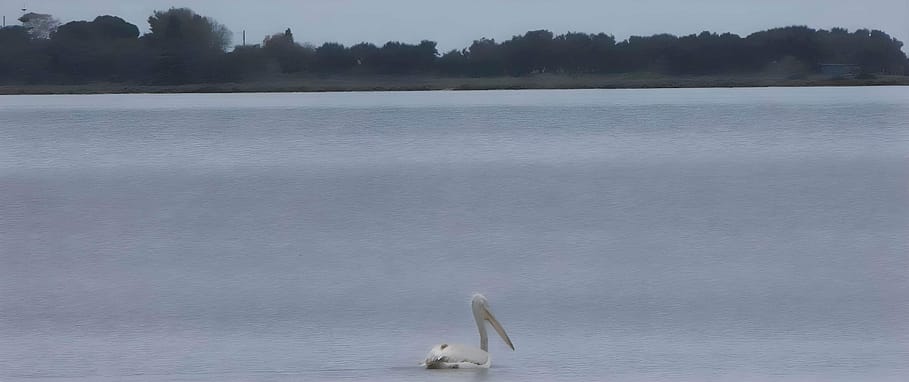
(455, 356)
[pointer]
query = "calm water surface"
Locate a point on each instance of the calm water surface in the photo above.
(642, 235)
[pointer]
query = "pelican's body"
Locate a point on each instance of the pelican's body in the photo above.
(454, 356)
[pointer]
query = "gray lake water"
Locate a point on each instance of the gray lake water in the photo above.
(622, 235)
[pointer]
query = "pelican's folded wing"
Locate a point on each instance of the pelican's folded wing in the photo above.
(454, 356)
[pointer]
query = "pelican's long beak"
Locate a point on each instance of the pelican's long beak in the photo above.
(498, 327)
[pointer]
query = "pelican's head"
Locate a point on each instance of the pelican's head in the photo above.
(482, 312)
(479, 300)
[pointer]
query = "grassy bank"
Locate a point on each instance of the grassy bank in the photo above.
(411, 83)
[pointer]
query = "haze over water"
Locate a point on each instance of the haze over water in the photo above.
(625, 235)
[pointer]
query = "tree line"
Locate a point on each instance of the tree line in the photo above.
(185, 47)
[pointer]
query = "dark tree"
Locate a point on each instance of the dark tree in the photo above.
(401, 58)
(188, 46)
(22, 59)
(181, 28)
(107, 48)
(290, 56)
(333, 58)
(454, 62)
(245, 63)
(366, 56)
(485, 58)
(531, 53)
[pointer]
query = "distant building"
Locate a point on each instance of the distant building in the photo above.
(841, 70)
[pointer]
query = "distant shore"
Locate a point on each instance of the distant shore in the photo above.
(422, 83)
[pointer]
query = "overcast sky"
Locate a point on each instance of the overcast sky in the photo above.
(455, 23)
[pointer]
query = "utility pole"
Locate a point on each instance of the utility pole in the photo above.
(244, 36)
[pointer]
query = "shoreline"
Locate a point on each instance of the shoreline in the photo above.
(289, 84)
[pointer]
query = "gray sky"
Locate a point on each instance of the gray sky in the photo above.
(455, 23)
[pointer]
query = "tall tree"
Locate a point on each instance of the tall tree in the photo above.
(189, 46)
(290, 56)
(182, 28)
(105, 48)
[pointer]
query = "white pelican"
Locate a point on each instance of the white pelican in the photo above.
(454, 356)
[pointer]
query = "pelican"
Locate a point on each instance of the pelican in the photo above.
(453, 356)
